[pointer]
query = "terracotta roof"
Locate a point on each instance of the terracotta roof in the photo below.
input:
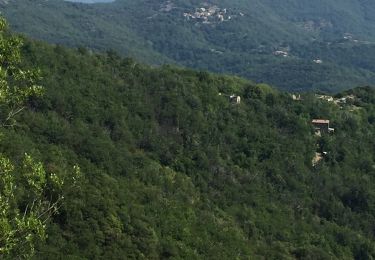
(320, 121)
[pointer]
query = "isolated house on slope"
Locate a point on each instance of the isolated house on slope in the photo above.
(322, 126)
(235, 99)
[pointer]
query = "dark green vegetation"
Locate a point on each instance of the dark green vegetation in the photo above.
(28, 195)
(172, 169)
(341, 34)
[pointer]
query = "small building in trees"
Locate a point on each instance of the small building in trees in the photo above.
(325, 97)
(296, 97)
(234, 99)
(322, 126)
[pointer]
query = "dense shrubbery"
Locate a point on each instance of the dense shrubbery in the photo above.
(173, 169)
(29, 195)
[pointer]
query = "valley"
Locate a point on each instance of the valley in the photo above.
(226, 37)
(187, 129)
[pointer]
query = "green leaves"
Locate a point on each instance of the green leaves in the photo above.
(20, 229)
(26, 205)
(173, 169)
(17, 85)
(24, 189)
(35, 176)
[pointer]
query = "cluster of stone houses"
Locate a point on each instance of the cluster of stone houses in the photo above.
(337, 101)
(211, 14)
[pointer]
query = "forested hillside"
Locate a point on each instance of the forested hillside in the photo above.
(172, 168)
(294, 45)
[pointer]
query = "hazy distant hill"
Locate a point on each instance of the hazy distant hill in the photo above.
(90, 1)
(327, 45)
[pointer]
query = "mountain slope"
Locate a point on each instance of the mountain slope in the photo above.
(173, 169)
(241, 37)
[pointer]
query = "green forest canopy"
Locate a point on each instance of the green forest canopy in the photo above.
(29, 195)
(175, 170)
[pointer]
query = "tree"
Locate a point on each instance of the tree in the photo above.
(16, 84)
(24, 204)
(28, 195)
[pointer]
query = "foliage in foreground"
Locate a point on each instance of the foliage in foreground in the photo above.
(28, 195)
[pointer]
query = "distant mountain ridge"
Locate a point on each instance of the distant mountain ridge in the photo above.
(90, 1)
(277, 42)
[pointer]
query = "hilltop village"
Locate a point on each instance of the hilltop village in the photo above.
(211, 14)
